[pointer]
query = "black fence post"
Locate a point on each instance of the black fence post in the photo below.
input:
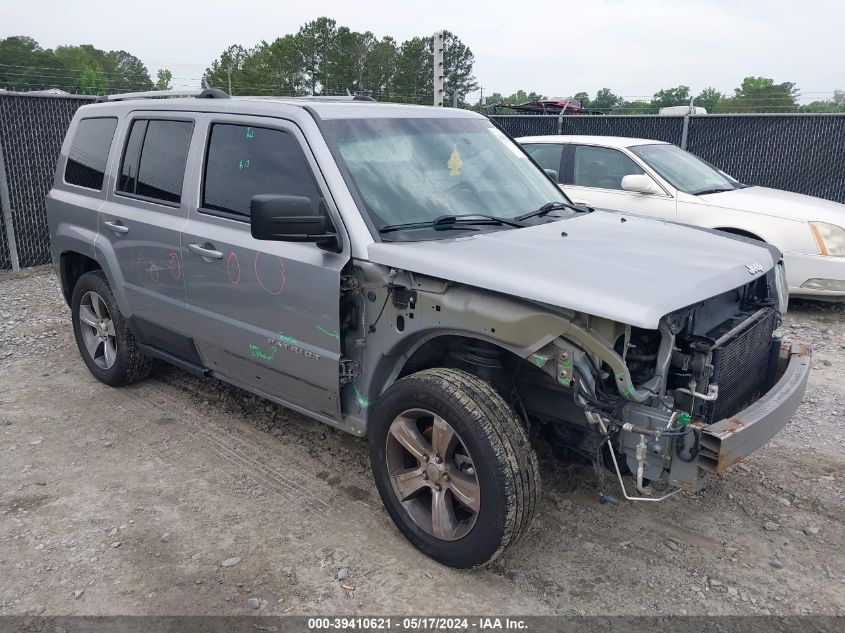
(6, 208)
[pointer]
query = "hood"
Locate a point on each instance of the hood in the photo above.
(633, 271)
(786, 204)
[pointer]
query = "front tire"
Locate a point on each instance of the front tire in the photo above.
(108, 348)
(453, 466)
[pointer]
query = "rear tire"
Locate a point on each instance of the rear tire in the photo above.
(108, 348)
(469, 461)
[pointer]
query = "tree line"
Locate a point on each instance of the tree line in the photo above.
(322, 58)
(25, 66)
(755, 94)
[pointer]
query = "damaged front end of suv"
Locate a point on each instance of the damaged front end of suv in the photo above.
(671, 406)
(665, 400)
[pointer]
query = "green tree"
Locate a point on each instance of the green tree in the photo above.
(635, 107)
(380, 69)
(605, 100)
(93, 81)
(709, 98)
(126, 72)
(227, 72)
(414, 71)
(277, 67)
(317, 43)
(24, 65)
(671, 97)
(163, 79)
(761, 94)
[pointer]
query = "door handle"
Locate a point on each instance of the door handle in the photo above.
(206, 251)
(117, 227)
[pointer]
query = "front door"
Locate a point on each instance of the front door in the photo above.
(594, 178)
(265, 313)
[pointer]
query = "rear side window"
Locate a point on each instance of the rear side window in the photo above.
(154, 159)
(547, 155)
(89, 151)
(245, 161)
(602, 167)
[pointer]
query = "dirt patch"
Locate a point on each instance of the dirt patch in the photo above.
(137, 496)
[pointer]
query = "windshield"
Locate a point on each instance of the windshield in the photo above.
(684, 171)
(417, 170)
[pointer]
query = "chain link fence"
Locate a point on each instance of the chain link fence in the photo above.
(32, 128)
(795, 152)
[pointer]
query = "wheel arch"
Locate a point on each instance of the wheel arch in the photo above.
(428, 351)
(72, 265)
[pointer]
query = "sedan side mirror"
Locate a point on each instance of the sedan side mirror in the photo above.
(639, 183)
(288, 219)
(551, 173)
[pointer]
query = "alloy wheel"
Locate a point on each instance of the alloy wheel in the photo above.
(432, 474)
(97, 328)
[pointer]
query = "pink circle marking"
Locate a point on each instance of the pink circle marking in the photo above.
(278, 286)
(175, 265)
(233, 268)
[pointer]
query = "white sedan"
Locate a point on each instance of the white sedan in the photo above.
(645, 177)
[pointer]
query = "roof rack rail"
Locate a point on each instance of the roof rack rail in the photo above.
(206, 93)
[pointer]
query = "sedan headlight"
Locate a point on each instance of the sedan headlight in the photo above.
(829, 238)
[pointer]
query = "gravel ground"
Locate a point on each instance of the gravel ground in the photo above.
(183, 495)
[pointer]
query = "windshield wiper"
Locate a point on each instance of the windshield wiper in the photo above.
(549, 207)
(705, 192)
(447, 222)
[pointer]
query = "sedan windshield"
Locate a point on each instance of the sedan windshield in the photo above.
(684, 171)
(415, 171)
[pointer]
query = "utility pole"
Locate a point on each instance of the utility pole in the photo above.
(438, 69)
(481, 99)
(455, 98)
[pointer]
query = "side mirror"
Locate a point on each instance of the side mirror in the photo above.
(639, 183)
(551, 173)
(287, 219)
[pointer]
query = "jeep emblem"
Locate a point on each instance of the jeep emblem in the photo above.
(754, 268)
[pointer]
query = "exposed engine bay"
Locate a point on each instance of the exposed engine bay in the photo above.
(705, 363)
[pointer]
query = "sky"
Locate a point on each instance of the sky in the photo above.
(556, 48)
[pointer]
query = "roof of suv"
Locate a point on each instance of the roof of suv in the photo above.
(325, 108)
(606, 141)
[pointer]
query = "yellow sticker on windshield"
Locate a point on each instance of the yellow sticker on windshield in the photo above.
(455, 163)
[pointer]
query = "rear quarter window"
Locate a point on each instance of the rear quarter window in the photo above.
(89, 152)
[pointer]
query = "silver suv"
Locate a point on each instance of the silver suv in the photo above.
(410, 275)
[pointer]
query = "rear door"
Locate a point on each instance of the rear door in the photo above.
(142, 219)
(265, 313)
(593, 177)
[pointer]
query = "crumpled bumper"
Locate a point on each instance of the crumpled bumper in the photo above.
(728, 441)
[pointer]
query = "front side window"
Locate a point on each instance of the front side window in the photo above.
(154, 159)
(409, 170)
(245, 161)
(546, 155)
(601, 167)
(89, 152)
(685, 171)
